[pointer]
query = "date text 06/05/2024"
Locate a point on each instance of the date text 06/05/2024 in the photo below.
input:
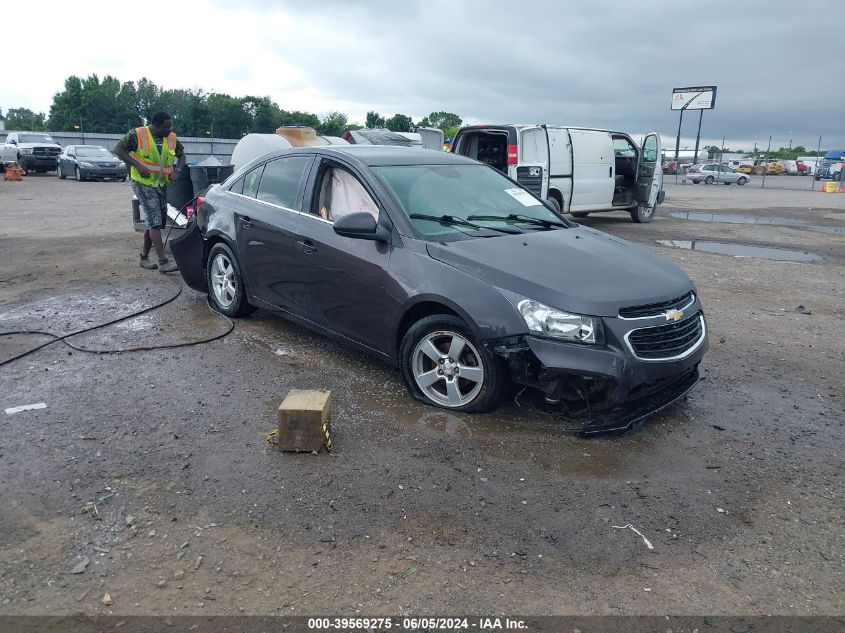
(414, 624)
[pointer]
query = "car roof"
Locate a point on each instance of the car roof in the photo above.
(382, 155)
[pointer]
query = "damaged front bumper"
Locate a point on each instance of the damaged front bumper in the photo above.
(607, 387)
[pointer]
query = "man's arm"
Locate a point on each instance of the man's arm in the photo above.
(122, 154)
(179, 167)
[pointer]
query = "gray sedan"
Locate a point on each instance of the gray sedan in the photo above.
(452, 272)
(93, 162)
(712, 172)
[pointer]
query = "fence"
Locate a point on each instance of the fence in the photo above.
(196, 148)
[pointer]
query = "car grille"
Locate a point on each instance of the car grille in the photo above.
(656, 309)
(667, 341)
(46, 151)
(534, 184)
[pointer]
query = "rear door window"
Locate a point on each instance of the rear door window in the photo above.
(251, 180)
(282, 181)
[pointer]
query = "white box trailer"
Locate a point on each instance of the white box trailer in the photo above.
(579, 170)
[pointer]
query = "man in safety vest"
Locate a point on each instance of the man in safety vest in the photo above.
(150, 153)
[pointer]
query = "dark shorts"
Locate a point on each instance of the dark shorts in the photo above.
(153, 201)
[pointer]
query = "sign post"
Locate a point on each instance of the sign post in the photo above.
(694, 98)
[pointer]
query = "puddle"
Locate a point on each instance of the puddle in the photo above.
(743, 250)
(740, 218)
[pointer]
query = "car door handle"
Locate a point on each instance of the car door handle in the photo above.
(307, 246)
(246, 222)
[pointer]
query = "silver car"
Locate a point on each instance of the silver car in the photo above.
(712, 172)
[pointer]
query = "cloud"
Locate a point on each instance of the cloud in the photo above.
(600, 64)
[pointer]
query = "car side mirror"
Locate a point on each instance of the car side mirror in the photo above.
(362, 226)
(13, 142)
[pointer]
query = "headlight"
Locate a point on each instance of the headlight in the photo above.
(558, 324)
(89, 165)
(26, 150)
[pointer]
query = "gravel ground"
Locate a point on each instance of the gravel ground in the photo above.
(147, 476)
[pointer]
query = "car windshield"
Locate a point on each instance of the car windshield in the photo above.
(100, 152)
(35, 138)
(461, 191)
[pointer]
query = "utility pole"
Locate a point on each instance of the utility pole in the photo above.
(766, 163)
(678, 145)
(211, 111)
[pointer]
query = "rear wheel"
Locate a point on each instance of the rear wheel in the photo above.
(553, 201)
(580, 214)
(225, 283)
(742, 180)
(642, 214)
(443, 364)
(60, 173)
(709, 180)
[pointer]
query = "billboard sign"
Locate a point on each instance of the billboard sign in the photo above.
(696, 98)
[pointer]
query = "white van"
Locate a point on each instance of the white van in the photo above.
(579, 170)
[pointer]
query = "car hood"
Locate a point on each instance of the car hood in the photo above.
(97, 160)
(33, 145)
(579, 269)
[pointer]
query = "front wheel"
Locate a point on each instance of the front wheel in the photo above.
(580, 214)
(642, 214)
(742, 180)
(225, 283)
(78, 174)
(444, 364)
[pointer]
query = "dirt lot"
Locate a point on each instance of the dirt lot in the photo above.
(153, 466)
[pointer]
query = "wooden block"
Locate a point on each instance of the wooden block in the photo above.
(304, 420)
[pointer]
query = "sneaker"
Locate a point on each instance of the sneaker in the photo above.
(146, 263)
(167, 266)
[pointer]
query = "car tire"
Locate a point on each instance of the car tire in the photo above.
(226, 291)
(425, 349)
(554, 203)
(580, 214)
(60, 173)
(642, 214)
(123, 179)
(78, 174)
(741, 180)
(709, 180)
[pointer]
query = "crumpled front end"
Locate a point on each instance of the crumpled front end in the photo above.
(650, 359)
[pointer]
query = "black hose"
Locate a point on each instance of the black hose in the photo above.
(63, 338)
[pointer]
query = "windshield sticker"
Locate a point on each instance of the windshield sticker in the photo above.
(522, 197)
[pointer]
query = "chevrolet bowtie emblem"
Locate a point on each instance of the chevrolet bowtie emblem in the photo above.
(673, 315)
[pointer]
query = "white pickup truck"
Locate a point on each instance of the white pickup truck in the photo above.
(34, 151)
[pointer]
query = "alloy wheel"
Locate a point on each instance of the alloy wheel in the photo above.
(448, 369)
(223, 281)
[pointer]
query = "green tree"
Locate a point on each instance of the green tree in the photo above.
(374, 119)
(444, 120)
(399, 123)
(300, 118)
(332, 124)
(25, 119)
(713, 151)
(265, 115)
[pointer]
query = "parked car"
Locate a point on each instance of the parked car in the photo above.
(90, 162)
(453, 272)
(578, 170)
(709, 173)
(34, 151)
(670, 167)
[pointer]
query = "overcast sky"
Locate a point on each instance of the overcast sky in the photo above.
(606, 64)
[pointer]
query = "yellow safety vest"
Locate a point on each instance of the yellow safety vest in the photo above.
(159, 164)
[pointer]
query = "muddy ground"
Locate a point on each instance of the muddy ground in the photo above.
(153, 466)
